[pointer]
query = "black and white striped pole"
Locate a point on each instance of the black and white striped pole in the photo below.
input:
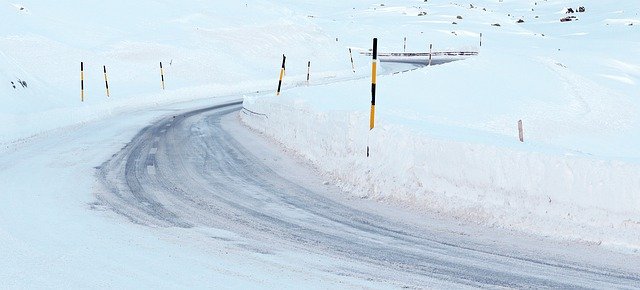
(284, 59)
(430, 53)
(374, 68)
(106, 80)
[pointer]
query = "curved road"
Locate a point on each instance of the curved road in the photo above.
(190, 170)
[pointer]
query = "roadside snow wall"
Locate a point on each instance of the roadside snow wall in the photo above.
(565, 196)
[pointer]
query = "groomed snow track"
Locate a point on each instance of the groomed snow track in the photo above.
(189, 170)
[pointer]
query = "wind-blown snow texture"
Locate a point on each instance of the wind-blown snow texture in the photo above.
(446, 136)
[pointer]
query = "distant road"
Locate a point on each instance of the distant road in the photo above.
(424, 58)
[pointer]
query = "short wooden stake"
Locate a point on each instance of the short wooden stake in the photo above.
(520, 131)
(162, 75)
(284, 59)
(81, 81)
(353, 67)
(106, 80)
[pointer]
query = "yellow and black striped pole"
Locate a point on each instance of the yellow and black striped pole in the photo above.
(374, 64)
(308, 71)
(374, 70)
(353, 67)
(162, 75)
(81, 81)
(106, 80)
(284, 58)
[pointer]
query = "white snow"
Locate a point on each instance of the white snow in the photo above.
(445, 141)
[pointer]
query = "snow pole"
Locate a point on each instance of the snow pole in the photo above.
(405, 44)
(374, 63)
(308, 71)
(284, 59)
(520, 131)
(162, 75)
(430, 53)
(81, 81)
(353, 67)
(480, 39)
(106, 80)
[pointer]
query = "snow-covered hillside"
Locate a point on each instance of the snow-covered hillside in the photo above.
(446, 137)
(207, 49)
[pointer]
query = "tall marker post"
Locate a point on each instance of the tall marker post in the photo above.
(284, 59)
(81, 81)
(430, 53)
(106, 80)
(353, 67)
(480, 39)
(162, 75)
(374, 63)
(405, 44)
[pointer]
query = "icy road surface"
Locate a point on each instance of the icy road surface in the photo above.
(202, 169)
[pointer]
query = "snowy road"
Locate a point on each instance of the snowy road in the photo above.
(202, 169)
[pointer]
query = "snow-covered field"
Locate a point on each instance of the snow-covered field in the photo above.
(206, 48)
(446, 137)
(445, 142)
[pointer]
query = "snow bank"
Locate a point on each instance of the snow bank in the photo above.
(560, 195)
